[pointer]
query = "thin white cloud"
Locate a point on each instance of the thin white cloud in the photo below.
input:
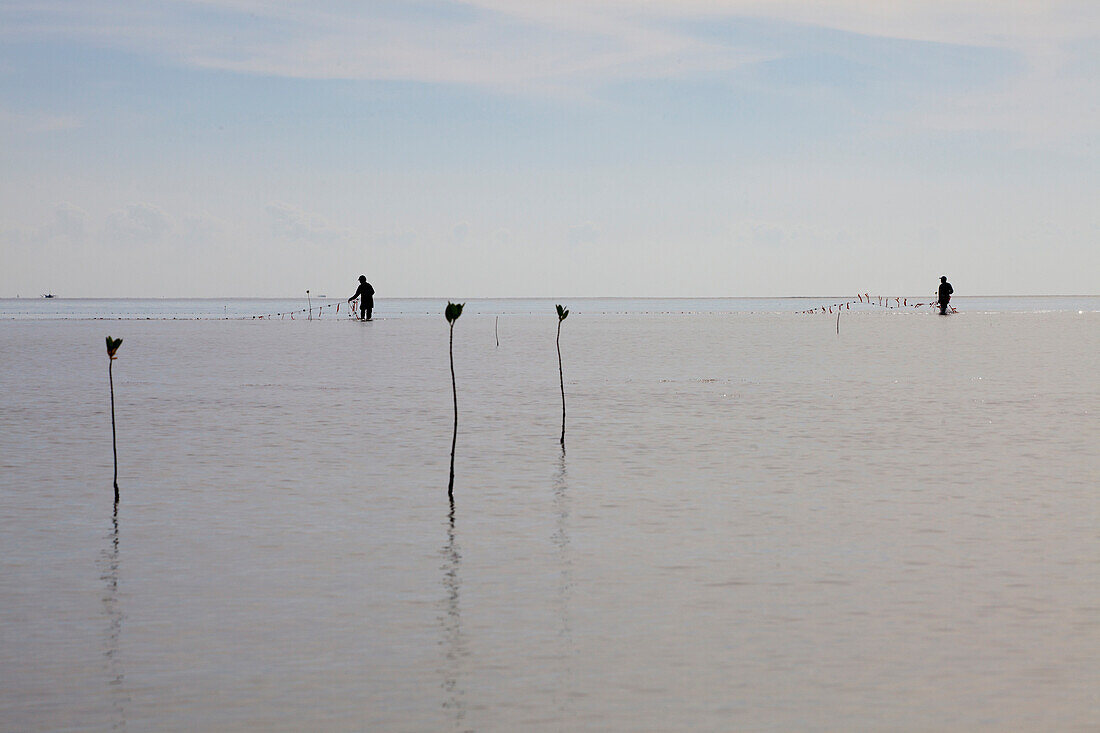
(1048, 104)
(292, 223)
(355, 40)
(502, 50)
(968, 22)
(202, 230)
(401, 239)
(572, 47)
(583, 233)
(39, 122)
(137, 224)
(69, 222)
(785, 234)
(517, 48)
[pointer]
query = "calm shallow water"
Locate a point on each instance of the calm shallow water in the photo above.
(326, 308)
(758, 524)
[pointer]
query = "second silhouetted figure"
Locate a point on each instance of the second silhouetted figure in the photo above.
(945, 294)
(366, 295)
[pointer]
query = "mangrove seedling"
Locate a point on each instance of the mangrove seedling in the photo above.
(112, 347)
(563, 313)
(454, 310)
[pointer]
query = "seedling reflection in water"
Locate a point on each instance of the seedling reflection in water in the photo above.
(112, 347)
(563, 313)
(454, 310)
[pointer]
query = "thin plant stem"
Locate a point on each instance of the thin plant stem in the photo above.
(114, 441)
(561, 380)
(454, 437)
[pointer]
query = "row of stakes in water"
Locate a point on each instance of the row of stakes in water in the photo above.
(878, 302)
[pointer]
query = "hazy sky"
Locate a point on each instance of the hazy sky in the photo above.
(549, 147)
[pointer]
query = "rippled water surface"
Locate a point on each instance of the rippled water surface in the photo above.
(758, 523)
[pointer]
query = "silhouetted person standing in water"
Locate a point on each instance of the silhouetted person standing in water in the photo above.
(366, 295)
(945, 294)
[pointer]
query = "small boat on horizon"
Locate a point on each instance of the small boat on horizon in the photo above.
(47, 295)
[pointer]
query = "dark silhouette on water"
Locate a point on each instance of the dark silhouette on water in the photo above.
(453, 311)
(944, 294)
(112, 347)
(366, 295)
(563, 313)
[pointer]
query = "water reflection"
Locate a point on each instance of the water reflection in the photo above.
(112, 609)
(453, 643)
(560, 538)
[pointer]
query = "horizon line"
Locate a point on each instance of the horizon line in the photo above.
(538, 297)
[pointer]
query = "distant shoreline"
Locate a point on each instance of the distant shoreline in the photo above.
(534, 297)
(328, 309)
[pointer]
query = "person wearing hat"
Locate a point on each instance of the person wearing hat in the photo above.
(366, 295)
(945, 294)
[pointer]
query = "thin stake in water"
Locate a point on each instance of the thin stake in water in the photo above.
(112, 347)
(453, 311)
(563, 313)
